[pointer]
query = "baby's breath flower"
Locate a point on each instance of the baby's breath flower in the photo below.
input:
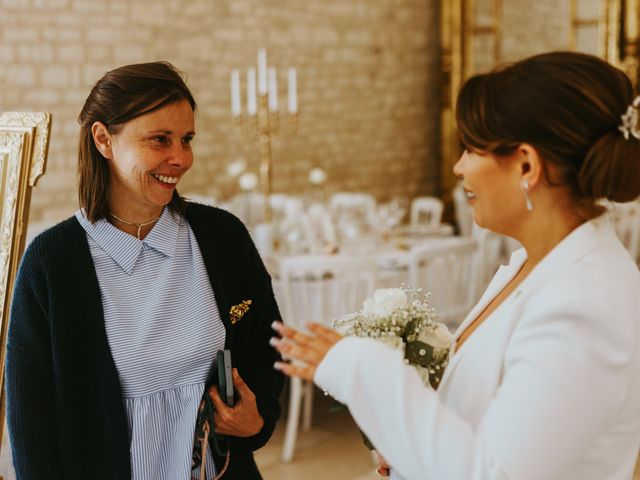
(403, 318)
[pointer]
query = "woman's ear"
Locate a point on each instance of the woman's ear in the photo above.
(102, 139)
(530, 165)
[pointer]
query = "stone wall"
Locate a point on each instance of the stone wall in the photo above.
(368, 84)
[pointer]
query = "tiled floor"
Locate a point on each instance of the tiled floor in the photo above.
(332, 449)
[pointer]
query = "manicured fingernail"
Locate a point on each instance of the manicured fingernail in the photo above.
(277, 326)
(278, 365)
(274, 342)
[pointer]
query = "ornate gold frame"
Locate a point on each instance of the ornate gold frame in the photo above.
(457, 28)
(24, 143)
(452, 66)
(628, 51)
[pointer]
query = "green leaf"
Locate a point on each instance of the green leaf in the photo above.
(336, 407)
(409, 328)
(419, 353)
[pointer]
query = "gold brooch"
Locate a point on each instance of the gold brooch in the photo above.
(237, 311)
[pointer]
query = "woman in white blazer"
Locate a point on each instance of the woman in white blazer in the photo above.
(544, 374)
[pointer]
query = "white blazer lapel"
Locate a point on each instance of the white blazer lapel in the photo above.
(573, 247)
(503, 276)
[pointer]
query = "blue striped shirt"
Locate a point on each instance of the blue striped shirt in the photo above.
(163, 328)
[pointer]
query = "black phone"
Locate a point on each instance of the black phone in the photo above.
(225, 380)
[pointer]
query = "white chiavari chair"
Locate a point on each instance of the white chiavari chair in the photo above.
(318, 288)
(248, 207)
(626, 221)
(462, 210)
(319, 229)
(447, 269)
(493, 250)
(200, 198)
(352, 205)
(426, 211)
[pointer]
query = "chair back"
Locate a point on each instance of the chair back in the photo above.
(352, 204)
(626, 221)
(490, 255)
(248, 207)
(319, 229)
(283, 205)
(426, 211)
(447, 268)
(24, 143)
(322, 288)
(200, 198)
(462, 210)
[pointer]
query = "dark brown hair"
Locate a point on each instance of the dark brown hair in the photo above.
(567, 105)
(120, 96)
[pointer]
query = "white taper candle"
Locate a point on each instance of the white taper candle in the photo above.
(293, 90)
(251, 91)
(236, 108)
(262, 72)
(273, 90)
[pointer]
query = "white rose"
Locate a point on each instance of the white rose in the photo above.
(385, 301)
(440, 339)
(393, 341)
(248, 181)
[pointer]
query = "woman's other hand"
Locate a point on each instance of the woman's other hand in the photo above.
(241, 420)
(308, 349)
(383, 467)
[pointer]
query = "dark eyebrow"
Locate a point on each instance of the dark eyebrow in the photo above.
(168, 132)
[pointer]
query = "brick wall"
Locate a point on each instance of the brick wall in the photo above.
(368, 84)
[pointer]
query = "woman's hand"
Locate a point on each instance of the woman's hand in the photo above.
(241, 420)
(308, 349)
(383, 467)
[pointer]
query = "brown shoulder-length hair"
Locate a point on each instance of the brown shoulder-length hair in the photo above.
(568, 106)
(118, 97)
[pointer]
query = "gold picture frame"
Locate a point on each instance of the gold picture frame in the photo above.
(24, 144)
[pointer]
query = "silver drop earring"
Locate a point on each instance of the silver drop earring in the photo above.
(527, 199)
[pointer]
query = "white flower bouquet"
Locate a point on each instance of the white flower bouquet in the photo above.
(403, 319)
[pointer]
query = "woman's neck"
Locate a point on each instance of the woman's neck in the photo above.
(136, 224)
(544, 230)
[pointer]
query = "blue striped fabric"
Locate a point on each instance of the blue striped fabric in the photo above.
(164, 328)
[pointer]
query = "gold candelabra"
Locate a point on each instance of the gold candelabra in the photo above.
(262, 117)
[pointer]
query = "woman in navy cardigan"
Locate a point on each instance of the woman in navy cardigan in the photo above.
(82, 351)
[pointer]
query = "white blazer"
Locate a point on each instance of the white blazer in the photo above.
(547, 387)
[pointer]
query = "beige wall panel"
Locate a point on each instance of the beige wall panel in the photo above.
(587, 39)
(531, 27)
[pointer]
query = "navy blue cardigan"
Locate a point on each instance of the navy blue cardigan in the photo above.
(65, 410)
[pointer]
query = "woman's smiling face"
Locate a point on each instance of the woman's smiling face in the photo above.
(492, 189)
(148, 157)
